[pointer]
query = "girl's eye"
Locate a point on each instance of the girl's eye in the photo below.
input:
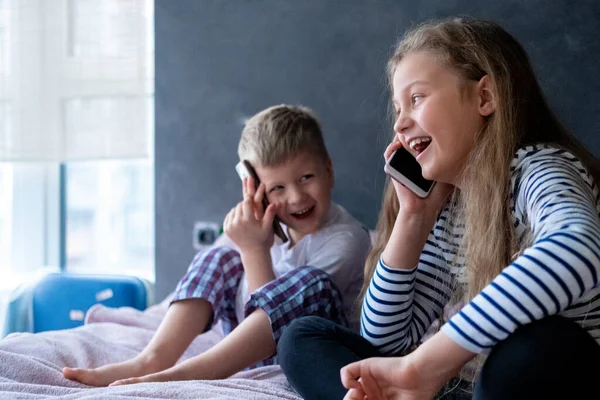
(416, 98)
(275, 188)
(306, 177)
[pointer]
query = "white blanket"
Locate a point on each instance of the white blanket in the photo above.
(31, 364)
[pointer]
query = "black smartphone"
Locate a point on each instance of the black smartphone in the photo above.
(403, 167)
(245, 169)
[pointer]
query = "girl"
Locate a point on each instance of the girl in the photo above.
(509, 236)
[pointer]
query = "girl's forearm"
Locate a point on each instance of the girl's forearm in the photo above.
(440, 358)
(407, 240)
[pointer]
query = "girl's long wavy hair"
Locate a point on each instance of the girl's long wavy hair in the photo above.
(473, 49)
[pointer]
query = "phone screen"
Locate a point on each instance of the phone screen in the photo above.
(407, 165)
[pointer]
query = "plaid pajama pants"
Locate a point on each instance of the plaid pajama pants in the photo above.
(215, 274)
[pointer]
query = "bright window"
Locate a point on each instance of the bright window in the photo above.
(5, 215)
(76, 95)
(110, 224)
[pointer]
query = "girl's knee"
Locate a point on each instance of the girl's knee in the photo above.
(305, 328)
(311, 325)
(552, 349)
(300, 330)
(548, 333)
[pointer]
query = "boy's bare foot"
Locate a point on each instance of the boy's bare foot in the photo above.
(110, 373)
(196, 368)
(162, 376)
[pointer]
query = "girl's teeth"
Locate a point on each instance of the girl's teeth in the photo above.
(414, 144)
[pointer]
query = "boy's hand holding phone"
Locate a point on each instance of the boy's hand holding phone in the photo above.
(246, 170)
(248, 224)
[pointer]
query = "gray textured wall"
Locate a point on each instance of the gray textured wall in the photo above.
(219, 61)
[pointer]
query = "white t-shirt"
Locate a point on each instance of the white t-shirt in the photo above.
(339, 248)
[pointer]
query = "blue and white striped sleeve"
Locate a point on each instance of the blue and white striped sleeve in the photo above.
(558, 270)
(400, 305)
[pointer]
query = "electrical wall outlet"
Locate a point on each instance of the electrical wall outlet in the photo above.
(205, 234)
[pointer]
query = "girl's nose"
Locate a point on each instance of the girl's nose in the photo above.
(403, 124)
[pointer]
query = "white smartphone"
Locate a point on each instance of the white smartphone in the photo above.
(403, 167)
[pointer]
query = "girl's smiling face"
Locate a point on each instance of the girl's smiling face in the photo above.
(438, 114)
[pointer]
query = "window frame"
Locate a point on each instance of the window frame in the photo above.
(39, 206)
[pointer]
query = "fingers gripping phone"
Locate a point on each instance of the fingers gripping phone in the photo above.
(404, 168)
(244, 170)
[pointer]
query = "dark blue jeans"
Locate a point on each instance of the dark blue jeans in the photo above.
(544, 359)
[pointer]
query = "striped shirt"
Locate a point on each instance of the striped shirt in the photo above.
(555, 205)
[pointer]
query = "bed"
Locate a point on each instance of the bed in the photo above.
(31, 364)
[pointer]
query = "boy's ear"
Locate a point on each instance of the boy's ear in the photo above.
(486, 96)
(329, 167)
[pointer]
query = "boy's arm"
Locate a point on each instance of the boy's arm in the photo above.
(252, 232)
(258, 266)
(225, 241)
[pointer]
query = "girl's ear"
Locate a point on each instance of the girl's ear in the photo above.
(486, 96)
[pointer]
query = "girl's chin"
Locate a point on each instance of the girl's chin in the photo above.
(430, 172)
(427, 174)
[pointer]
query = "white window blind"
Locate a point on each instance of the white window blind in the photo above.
(76, 79)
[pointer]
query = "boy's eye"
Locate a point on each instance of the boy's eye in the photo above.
(306, 177)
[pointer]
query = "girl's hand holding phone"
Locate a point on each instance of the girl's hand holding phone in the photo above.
(414, 221)
(247, 224)
(410, 203)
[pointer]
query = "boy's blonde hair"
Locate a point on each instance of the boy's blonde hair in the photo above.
(280, 132)
(473, 49)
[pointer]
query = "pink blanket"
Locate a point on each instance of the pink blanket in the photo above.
(31, 364)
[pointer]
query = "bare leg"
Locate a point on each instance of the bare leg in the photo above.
(252, 341)
(183, 321)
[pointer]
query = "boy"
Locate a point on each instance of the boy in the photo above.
(259, 289)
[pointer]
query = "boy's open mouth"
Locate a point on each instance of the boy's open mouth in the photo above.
(303, 214)
(419, 144)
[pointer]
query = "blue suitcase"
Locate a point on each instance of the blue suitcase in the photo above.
(60, 300)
